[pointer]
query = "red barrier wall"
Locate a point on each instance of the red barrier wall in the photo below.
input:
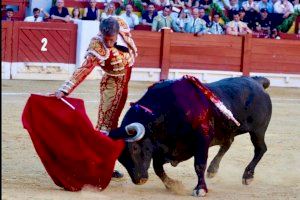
(163, 50)
(6, 41)
(148, 44)
(59, 45)
(275, 56)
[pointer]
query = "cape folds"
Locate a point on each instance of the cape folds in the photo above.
(73, 152)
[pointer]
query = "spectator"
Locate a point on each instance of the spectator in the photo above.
(163, 21)
(250, 6)
(9, 15)
(264, 23)
(60, 12)
(131, 18)
(187, 3)
(249, 17)
(177, 3)
(91, 12)
(203, 16)
(161, 3)
(109, 11)
(148, 15)
(36, 16)
(283, 7)
(145, 3)
(236, 27)
(233, 7)
(274, 34)
(196, 25)
(182, 20)
(252, 11)
(75, 14)
(223, 4)
(266, 4)
(215, 27)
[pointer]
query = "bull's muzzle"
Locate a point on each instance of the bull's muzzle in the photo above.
(142, 181)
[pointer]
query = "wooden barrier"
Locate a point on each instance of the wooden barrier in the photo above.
(148, 44)
(215, 52)
(164, 51)
(6, 41)
(44, 42)
(275, 56)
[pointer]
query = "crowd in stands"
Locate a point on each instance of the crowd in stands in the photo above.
(233, 17)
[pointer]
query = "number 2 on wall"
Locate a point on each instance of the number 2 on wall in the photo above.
(44, 42)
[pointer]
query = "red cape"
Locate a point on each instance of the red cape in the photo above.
(72, 151)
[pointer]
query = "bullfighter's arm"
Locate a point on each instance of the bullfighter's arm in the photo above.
(96, 54)
(79, 74)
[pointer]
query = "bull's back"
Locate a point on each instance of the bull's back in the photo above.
(247, 100)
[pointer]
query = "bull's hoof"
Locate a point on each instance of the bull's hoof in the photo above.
(248, 177)
(211, 174)
(199, 193)
(175, 186)
(247, 181)
(212, 170)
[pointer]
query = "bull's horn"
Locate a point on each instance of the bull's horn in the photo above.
(139, 130)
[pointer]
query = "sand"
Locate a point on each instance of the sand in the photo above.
(277, 175)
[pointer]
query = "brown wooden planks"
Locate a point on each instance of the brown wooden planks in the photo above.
(61, 46)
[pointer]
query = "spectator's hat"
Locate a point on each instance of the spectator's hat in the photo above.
(263, 10)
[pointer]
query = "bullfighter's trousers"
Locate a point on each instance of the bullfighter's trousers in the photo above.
(113, 94)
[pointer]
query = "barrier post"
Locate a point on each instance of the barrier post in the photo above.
(246, 54)
(165, 53)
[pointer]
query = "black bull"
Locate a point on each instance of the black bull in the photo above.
(170, 113)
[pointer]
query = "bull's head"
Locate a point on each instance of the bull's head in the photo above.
(136, 156)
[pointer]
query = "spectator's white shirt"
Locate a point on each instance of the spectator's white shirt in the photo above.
(234, 7)
(159, 3)
(32, 19)
(247, 6)
(105, 16)
(131, 20)
(282, 8)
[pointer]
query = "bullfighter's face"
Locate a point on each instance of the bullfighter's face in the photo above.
(110, 40)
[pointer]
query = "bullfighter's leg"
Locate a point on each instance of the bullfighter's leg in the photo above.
(160, 172)
(201, 155)
(214, 165)
(258, 140)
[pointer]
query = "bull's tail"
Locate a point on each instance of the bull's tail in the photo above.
(262, 80)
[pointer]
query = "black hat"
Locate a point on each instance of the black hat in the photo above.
(263, 10)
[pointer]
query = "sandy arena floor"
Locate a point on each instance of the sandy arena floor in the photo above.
(277, 175)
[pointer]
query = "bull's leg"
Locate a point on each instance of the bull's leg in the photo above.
(214, 165)
(160, 172)
(258, 140)
(201, 155)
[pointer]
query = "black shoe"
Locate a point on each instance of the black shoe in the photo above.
(117, 174)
